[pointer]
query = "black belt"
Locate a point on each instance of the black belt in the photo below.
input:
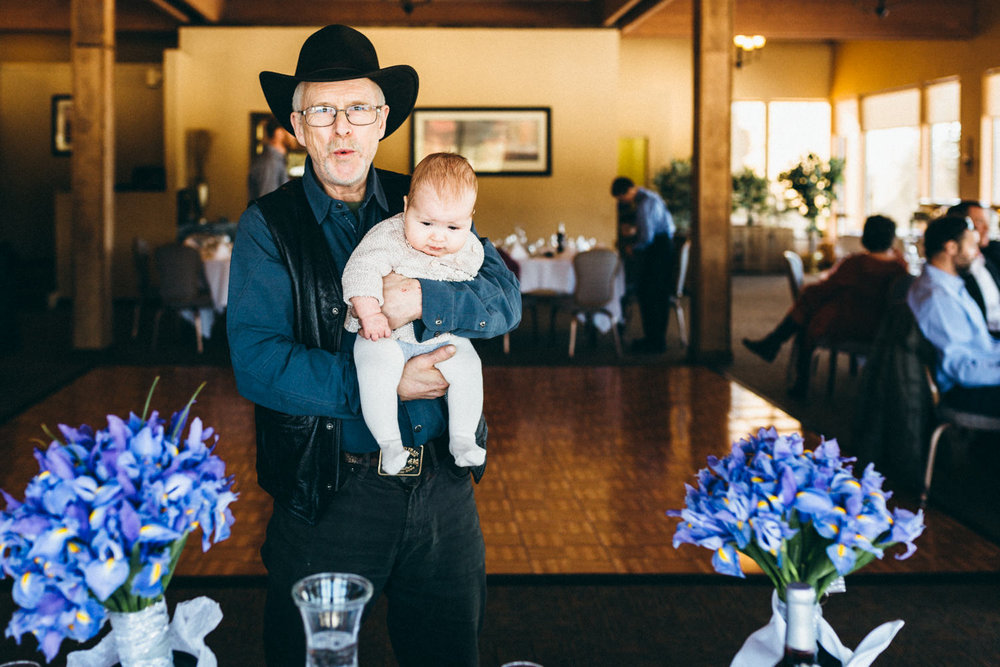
(433, 453)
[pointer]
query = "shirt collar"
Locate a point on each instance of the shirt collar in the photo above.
(936, 275)
(320, 202)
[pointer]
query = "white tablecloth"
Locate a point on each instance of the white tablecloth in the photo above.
(556, 274)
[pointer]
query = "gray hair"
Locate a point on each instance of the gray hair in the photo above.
(300, 92)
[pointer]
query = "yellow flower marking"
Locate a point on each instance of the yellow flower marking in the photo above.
(25, 579)
(157, 571)
(841, 549)
(82, 616)
(723, 555)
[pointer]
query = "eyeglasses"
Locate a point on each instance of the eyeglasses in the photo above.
(357, 114)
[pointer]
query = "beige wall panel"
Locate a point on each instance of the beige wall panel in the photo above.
(216, 87)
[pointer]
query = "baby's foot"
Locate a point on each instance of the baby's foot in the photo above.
(393, 459)
(471, 457)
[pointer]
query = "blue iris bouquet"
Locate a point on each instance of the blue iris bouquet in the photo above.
(801, 515)
(105, 520)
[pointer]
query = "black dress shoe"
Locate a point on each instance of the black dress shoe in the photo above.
(761, 349)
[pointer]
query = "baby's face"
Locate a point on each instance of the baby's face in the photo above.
(437, 225)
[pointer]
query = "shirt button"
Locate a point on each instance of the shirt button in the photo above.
(482, 324)
(418, 428)
(335, 311)
(329, 487)
(439, 322)
(329, 426)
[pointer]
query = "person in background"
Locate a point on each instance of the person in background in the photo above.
(847, 305)
(416, 538)
(652, 249)
(982, 278)
(968, 357)
(269, 168)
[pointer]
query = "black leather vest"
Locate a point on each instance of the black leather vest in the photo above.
(298, 457)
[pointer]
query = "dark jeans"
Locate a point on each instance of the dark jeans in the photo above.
(656, 275)
(417, 539)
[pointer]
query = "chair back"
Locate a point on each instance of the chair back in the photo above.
(595, 277)
(680, 276)
(795, 272)
(182, 276)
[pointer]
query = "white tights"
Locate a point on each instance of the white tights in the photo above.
(380, 366)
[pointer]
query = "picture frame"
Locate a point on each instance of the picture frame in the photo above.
(296, 157)
(497, 141)
(62, 125)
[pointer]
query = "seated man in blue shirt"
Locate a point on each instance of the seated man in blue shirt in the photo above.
(968, 368)
(414, 535)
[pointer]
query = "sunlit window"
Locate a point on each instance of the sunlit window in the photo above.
(992, 131)
(891, 125)
(942, 116)
(772, 137)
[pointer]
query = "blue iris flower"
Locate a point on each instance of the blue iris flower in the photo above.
(771, 495)
(105, 507)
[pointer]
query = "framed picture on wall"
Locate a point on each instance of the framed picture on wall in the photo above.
(62, 124)
(296, 154)
(509, 141)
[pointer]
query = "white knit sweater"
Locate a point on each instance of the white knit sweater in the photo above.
(384, 250)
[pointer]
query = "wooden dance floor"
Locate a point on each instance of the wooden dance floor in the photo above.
(583, 464)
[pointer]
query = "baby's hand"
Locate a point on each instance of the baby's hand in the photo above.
(375, 326)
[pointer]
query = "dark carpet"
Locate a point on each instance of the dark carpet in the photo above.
(640, 621)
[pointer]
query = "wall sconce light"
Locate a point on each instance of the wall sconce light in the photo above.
(747, 46)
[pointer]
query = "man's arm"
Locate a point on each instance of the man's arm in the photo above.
(271, 368)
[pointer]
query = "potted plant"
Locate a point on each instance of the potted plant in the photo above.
(809, 189)
(750, 193)
(674, 184)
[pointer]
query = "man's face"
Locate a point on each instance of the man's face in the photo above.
(438, 225)
(967, 250)
(981, 221)
(341, 153)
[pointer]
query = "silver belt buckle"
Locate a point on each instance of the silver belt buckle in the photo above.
(414, 464)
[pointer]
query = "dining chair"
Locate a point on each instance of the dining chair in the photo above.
(947, 417)
(596, 271)
(141, 260)
(677, 298)
(182, 287)
(795, 272)
(856, 350)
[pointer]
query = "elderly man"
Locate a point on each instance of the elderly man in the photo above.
(968, 368)
(416, 537)
(653, 252)
(982, 278)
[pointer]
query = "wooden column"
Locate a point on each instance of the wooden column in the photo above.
(93, 53)
(710, 261)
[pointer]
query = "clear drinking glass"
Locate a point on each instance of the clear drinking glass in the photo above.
(331, 604)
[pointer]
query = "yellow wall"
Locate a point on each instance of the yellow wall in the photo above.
(212, 83)
(862, 68)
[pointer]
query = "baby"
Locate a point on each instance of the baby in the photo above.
(430, 239)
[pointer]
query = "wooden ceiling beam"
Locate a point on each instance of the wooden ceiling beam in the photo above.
(843, 20)
(53, 16)
(460, 13)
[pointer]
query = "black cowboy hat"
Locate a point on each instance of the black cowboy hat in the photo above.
(340, 53)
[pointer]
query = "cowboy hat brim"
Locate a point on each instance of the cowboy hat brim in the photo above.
(399, 84)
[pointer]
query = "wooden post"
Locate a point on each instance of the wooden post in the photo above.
(93, 53)
(710, 266)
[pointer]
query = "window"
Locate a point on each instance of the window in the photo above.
(771, 137)
(991, 134)
(945, 130)
(891, 125)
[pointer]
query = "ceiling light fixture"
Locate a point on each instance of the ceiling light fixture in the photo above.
(746, 46)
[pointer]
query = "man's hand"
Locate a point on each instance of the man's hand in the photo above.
(421, 379)
(402, 300)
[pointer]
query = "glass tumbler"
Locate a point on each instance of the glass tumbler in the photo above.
(331, 604)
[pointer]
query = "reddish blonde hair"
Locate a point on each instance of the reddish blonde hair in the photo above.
(449, 174)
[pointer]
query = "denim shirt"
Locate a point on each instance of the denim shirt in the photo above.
(274, 370)
(950, 319)
(651, 218)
